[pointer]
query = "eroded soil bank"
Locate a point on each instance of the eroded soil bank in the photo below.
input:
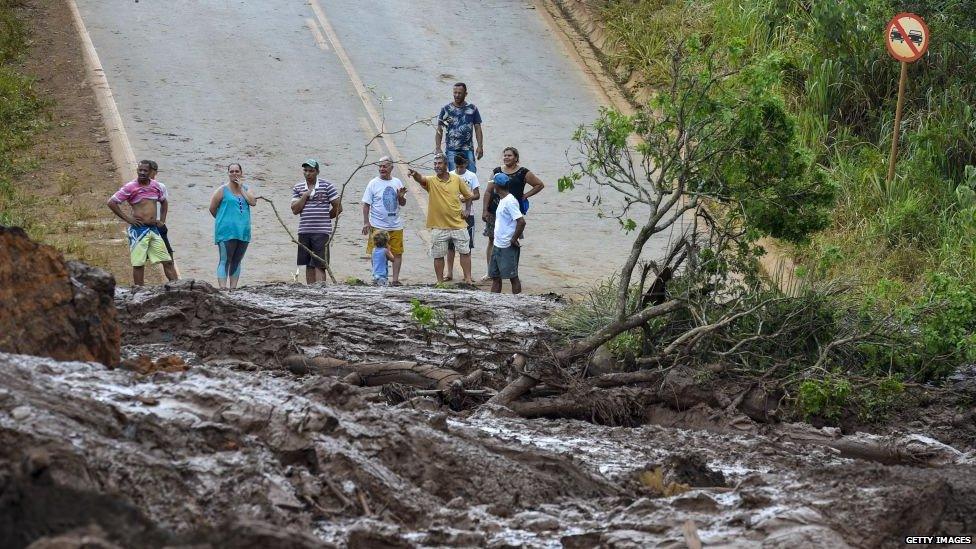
(227, 446)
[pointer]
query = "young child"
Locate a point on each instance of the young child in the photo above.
(381, 258)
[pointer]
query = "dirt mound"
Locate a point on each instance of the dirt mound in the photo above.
(266, 324)
(63, 310)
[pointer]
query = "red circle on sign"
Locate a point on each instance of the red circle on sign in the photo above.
(894, 31)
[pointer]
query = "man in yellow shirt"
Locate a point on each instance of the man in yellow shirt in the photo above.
(445, 217)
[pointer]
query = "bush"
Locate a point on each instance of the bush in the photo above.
(827, 398)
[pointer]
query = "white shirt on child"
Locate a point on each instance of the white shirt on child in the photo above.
(471, 179)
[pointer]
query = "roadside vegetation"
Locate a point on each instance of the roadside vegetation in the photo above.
(50, 170)
(886, 297)
(21, 116)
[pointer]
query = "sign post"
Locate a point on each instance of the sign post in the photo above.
(907, 39)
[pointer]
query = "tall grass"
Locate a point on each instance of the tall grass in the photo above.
(20, 117)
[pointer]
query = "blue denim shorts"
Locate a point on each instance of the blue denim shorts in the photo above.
(450, 160)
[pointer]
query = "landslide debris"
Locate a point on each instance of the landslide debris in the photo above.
(211, 435)
(64, 310)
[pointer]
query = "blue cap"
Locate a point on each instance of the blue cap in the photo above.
(500, 180)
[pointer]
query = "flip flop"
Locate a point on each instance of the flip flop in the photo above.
(448, 278)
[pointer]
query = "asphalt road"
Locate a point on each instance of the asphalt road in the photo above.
(203, 83)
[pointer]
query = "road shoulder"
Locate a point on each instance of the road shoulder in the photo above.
(72, 171)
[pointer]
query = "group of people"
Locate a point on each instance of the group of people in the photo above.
(453, 191)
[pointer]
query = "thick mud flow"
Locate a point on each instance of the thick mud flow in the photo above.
(226, 446)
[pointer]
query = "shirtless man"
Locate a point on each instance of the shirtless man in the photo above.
(145, 242)
(163, 230)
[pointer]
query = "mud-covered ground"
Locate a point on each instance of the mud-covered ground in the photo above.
(227, 446)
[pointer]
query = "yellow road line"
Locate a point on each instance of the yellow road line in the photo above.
(316, 34)
(419, 195)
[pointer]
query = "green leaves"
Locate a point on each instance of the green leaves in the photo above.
(427, 317)
(826, 398)
(568, 182)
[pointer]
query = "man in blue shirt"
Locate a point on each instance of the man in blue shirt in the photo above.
(462, 123)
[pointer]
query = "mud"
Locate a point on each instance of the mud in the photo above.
(226, 446)
(53, 308)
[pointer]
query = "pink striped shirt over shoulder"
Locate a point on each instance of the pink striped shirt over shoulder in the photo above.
(133, 193)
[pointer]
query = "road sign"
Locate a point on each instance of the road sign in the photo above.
(907, 37)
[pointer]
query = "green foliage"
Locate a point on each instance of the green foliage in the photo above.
(834, 396)
(947, 317)
(827, 398)
(626, 346)
(878, 400)
(20, 117)
(424, 315)
(772, 174)
(590, 313)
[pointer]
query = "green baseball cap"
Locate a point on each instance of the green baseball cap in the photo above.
(311, 163)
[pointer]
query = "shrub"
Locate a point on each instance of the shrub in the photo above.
(826, 398)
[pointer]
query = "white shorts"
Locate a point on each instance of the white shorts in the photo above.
(441, 237)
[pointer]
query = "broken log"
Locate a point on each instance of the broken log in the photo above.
(374, 374)
(422, 376)
(619, 405)
(319, 365)
(516, 388)
(627, 378)
(473, 379)
(910, 449)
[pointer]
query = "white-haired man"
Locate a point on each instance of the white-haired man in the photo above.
(382, 199)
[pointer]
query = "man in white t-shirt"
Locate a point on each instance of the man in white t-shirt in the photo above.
(381, 212)
(509, 224)
(471, 179)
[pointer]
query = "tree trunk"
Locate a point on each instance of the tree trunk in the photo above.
(516, 388)
(422, 376)
(590, 343)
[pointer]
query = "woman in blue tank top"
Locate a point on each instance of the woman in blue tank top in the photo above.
(231, 207)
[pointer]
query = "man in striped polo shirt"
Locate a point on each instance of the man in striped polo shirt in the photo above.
(316, 202)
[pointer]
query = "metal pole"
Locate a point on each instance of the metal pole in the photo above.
(896, 131)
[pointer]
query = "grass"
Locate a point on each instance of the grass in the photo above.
(21, 116)
(65, 211)
(67, 185)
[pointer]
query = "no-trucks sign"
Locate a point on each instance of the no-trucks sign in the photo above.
(907, 37)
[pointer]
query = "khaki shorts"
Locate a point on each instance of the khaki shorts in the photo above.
(395, 244)
(441, 237)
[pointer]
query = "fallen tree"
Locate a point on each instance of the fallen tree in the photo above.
(402, 379)
(716, 137)
(711, 164)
